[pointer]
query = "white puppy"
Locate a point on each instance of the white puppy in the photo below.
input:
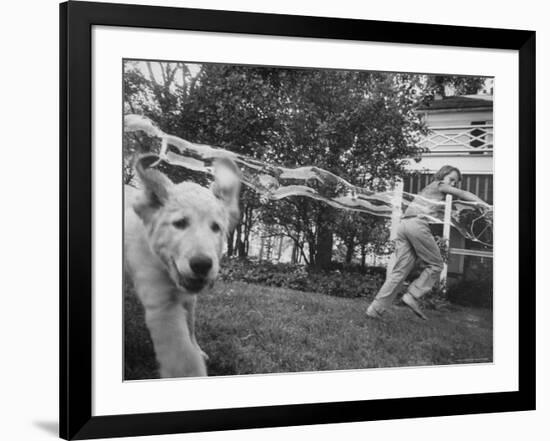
(174, 236)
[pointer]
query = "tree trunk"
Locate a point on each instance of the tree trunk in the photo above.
(350, 249)
(311, 252)
(280, 248)
(261, 248)
(230, 239)
(239, 242)
(323, 256)
(269, 248)
(241, 249)
(294, 256)
(247, 227)
(363, 256)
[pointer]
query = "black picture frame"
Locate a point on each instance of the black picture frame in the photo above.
(76, 22)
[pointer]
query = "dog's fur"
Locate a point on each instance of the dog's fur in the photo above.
(174, 236)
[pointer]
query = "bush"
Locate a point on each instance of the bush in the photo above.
(341, 283)
(357, 268)
(350, 281)
(472, 293)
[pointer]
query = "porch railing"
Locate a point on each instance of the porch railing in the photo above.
(465, 139)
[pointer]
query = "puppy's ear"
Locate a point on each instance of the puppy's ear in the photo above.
(227, 186)
(156, 188)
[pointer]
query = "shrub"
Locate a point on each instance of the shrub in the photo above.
(341, 283)
(472, 293)
(350, 281)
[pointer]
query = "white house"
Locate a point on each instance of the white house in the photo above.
(461, 135)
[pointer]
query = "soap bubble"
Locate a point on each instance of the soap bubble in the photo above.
(272, 182)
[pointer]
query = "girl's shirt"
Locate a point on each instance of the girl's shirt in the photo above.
(425, 204)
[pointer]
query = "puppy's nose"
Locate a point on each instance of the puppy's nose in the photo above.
(200, 265)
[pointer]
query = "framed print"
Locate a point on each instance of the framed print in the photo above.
(274, 220)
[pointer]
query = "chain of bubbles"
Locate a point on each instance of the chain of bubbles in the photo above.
(474, 221)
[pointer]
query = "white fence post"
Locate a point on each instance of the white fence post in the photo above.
(447, 235)
(397, 199)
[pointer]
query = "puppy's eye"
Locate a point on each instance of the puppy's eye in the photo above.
(181, 224)
(215, 227)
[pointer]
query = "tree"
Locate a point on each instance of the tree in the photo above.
(235, 108)
(360, 126)
(362, 232)
(457, 85)
(225, 106)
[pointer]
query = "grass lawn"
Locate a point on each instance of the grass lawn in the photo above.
(251, 329)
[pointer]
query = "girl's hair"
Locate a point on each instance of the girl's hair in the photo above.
(445, 170)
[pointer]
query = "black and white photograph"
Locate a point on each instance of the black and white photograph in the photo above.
(284, 219)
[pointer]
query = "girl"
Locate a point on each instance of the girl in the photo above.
(415, 241)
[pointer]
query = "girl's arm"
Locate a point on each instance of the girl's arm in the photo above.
(461, 194)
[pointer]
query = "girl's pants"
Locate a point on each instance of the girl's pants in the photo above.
(414, 241)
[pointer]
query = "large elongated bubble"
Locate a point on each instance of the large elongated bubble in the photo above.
(273, 182)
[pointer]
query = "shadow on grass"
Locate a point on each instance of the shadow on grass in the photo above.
(139, 355)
